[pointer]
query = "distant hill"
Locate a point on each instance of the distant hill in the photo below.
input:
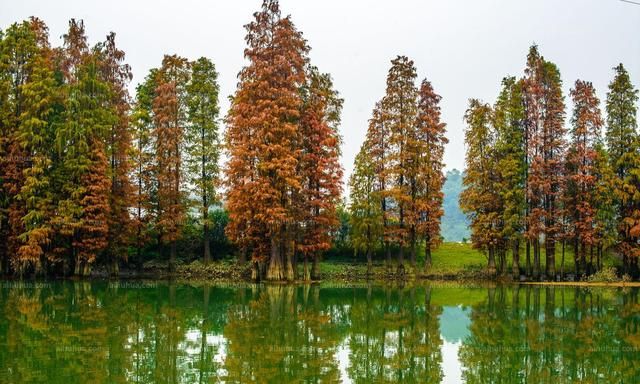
(454, 226)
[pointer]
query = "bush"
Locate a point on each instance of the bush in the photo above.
(605, 275)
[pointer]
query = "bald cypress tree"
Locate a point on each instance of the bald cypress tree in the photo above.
(117, 74)
(400, 110)
(544, 111)
(365, 208)
(263, 134)
(508, 120)
(142, 175)
(319, 167)
(622, 144)
(202, 142)
(480, 200)
(427, 180)
(583, 178)
(27, 88)
(170, 120)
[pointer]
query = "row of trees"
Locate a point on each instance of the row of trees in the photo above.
(532, 183)
(283, 175)
(83, 177)
(396, 186)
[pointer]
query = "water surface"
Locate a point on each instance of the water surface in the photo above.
(156, 332)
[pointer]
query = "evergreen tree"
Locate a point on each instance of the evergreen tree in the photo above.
(119, 149)
(585, 135)
(365, 208)
(400, 110)
(143, 176)
(622, 144)
(377, 140)
(480, 199)
(263, 137)
(427, 181)
(509, 124)
(544, 111)
(170, 120)
(319, 166)
(28, 95)
(202, 143)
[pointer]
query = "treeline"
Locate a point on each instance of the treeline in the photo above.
(85, 177)
(533, 185)
(89, 175)
(396, 185)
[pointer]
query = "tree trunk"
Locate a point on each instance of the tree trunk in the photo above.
(207, 250)
(528, 256)
(369, 262)
(275, 271)
(400, 268)
(515, 266)
(562, 261)
(315, 272)
(255, 272)
(491, 267)
(550, 269)
(583, 258)
(290, 252)
(242, 259)
(172, 257)
(427, 257)
(576, 257)
(307, 275)
(413, 248)
(536, 259)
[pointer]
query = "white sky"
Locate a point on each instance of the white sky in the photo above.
(464, 47)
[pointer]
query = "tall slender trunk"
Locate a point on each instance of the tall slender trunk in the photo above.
(289, 251)
(536, 259)
(550, 269)
(275, 271)
(315, 271)
(427, 255)
(400, 268)
(515, 266)
(369, 262)
(576, 257)
(243, 255)
(528, 257)
(206, 239)
(491, 267)
(412, 255)
(172, 257)
(562, 261)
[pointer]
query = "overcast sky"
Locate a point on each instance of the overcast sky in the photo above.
(464, 47)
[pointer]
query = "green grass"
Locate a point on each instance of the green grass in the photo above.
(450, 261)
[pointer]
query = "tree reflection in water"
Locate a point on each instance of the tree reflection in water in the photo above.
(148, 332)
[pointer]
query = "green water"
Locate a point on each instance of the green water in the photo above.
(156, 332)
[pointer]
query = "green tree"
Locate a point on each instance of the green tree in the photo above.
(365, 208)
(480, 199)
(622, 144)
(202, 142)
(509, 124)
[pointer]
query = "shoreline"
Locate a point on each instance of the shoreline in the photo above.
(349, 275)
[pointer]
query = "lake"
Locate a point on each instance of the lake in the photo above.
(157, 332)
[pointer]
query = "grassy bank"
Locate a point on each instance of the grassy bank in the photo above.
(451, 261)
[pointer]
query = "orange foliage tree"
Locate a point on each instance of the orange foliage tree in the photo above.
(169, 116)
